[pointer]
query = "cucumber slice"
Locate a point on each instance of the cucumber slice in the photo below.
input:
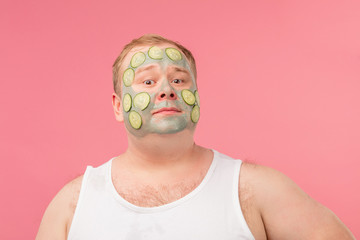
(127, 102)
(135, 120)
(195, 114)
(173, 54)
(155, 53)
(197, 98)
(142, 100)
(137, 59)
(128, 77)
(188, 97)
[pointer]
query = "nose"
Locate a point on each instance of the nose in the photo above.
(166, 94)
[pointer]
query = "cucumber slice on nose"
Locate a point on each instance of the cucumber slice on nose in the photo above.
(188, 97)
(142, 100)
(155, 53)
(128, 77)
(137, 59)
(135, 120)
(173, 54)
(195, 114)
(127, 102)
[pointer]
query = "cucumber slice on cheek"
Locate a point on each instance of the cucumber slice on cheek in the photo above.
(188, 97)
(127, 102)
(142, 100)
(135, 120)
(195, 114)
(197, 98)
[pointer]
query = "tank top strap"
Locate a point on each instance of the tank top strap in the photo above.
(226, 177)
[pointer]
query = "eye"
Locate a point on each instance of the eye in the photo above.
(177, 81)
(149, 82)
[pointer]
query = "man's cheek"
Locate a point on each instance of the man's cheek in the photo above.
(137, 107)
(191, 102)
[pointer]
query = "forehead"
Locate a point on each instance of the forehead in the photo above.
(144, 48)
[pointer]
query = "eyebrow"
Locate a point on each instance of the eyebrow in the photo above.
(145, 68)
(179, 69)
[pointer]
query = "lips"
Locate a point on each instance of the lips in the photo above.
(166, 110)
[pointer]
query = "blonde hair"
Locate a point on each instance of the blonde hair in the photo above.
(147, 39)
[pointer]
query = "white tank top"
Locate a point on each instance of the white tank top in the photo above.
(210, 212)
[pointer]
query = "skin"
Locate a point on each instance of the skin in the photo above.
(274, 207)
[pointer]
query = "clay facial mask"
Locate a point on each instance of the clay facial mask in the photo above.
(143, 107)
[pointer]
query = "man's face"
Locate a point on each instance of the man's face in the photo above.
(159, 93)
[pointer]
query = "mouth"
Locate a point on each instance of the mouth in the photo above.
(166, 111)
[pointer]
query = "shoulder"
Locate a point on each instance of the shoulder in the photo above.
(264, 185)
(262, 179)
(286, 210)
(58, 215)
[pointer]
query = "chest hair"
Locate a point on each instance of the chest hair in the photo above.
(154, 195)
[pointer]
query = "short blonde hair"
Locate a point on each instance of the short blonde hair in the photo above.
(147, 39)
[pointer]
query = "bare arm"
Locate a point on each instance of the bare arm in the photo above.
(289, 213)
(58, 215)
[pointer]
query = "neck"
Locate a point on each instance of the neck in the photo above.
(161, 150)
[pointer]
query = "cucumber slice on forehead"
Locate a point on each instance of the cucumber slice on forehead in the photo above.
(137, 59)
(188, 97)
(128, 77)
(195, 114)
(142, 100)
(135, 120)
(155, 53)
(173, 54)
(127, 102)
(197, 98)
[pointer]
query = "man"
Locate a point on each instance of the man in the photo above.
(167, 187)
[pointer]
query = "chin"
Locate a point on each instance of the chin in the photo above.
(169, 130)
(169, 126)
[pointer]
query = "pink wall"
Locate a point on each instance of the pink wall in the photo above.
(279, 84)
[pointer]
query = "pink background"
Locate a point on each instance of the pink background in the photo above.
(279, 85)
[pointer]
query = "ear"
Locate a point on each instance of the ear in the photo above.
(117, 105)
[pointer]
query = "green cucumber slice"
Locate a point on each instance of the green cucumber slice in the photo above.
(127, 102)
(128, 77)
(195, 114)
(137, 59)
(142, 100)
(155, 53)
(135, 120)
(173, 54)
(197, 98)
(188, 97)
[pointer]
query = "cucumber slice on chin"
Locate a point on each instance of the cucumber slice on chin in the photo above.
(128, 77)
(155, 53)
(188, 97)
(137, 59)
(173, 54)
(142, 100)
(135, 120)
(195, 114)
(127, 102)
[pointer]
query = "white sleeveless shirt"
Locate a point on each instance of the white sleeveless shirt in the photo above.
(210, 212)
